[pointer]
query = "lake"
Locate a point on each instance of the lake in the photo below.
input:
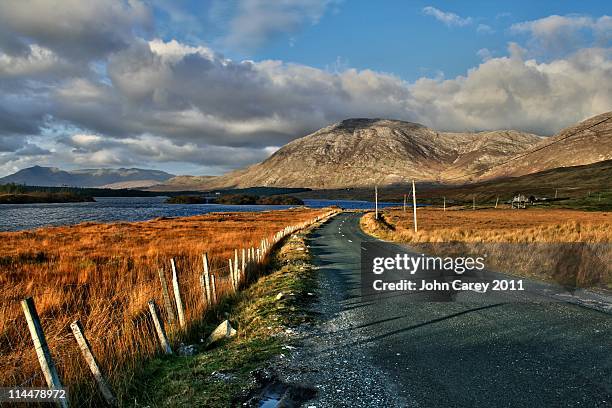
(14, 217)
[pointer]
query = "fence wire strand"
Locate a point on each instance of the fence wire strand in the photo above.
(63, 336)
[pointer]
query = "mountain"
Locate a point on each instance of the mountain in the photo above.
(587, 142)
(53, 177)
(133, 184)
(363, 152)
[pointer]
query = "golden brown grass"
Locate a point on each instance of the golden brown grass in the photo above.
(494, 231)
(104, 274)
(501, 225)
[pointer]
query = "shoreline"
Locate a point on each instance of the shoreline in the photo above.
(129, 209)
(44, 198)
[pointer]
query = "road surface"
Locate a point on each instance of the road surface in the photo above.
(384, 350)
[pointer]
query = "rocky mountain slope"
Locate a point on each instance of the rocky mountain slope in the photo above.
(54, 177)
(587, 142)
(363, 152)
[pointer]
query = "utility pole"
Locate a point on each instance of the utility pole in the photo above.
(376, 200)
(404, 202)
(496, 201)
(414, 208)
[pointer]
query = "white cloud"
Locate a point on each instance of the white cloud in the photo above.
(484, 29)
(174, 50)
(257, 21)
(85, 140)
(448, 18)
(558, 35)
(73, 28)
(35, 61)
(484, 54)
(206, 100)
(169, 102)
(104, 151)
(509, 92)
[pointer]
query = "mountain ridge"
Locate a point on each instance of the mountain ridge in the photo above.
(587, 142)
(362, 152)
(56, 177)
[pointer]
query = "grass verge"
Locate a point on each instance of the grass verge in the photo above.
(221, 376)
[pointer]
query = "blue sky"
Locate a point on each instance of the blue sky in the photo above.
(388, 36)
(204, 87)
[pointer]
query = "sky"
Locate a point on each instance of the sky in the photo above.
(204, 87)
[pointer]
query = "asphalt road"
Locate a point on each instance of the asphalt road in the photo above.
(387, 350)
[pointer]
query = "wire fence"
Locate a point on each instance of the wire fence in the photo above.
(120, 329)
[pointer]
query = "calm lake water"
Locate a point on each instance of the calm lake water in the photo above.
(15, 217)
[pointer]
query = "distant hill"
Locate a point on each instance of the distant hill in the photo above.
(182, 183)
(112, 178)
(133, 184)
(565, 181)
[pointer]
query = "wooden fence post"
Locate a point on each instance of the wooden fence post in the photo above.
(85, 347)
(231, 271)
(166, 296)
(213, 283)
(414, 207)
(244, 263)
(237, 271)
(42, 348)
(159, 328)
(177, 296)
(206, 278)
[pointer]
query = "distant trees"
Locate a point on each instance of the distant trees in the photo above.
(237, 199)
(12, 188)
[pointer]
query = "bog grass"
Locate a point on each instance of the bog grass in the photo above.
(103, 274)
(534, 233)
(494, 225)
